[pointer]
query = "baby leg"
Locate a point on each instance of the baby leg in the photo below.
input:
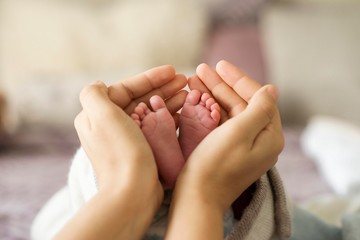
(159, 129)
(199, 116)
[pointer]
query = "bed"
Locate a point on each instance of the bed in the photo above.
(35, 160)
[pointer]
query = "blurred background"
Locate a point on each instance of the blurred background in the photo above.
(49, 50)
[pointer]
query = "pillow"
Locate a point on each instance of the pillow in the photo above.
(333, 143)
(46, 44)
(313, 56)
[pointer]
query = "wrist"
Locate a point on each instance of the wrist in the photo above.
(208, 190)
(196, 216)
(191, 189)
(134, 207)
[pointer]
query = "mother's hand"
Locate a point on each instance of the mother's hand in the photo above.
(105, 113)
(248, 142)
(122, 159)
(231, 157)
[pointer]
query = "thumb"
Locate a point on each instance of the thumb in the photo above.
(95, 100)
(261, 110)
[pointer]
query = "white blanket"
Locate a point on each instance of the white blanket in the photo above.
(68, 200)
(334, 144)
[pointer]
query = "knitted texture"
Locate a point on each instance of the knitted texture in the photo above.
(268, 214)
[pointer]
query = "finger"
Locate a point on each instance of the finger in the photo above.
(222, 92)
(270, 142)
(242, 84)
(96, 102)
(260, 112)
(125, 91)
(195, 83)
(82, 123)
(90, 95)
(165, 91)
(83, 128)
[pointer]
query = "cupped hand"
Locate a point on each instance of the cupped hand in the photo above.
(122, 159)
(247, 143)
(106, 107)
(115, 145)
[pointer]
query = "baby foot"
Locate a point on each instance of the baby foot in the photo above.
(159, 129)
(199, 116)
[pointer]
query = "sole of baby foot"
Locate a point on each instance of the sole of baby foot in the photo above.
(199, 116)
(159, 128)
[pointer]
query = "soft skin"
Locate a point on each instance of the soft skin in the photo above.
(224, 164)
(231, 157)
(124, 165)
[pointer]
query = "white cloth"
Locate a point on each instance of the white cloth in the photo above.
(68, 200)
(81, 180)
(334, 144)
(53, 216)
